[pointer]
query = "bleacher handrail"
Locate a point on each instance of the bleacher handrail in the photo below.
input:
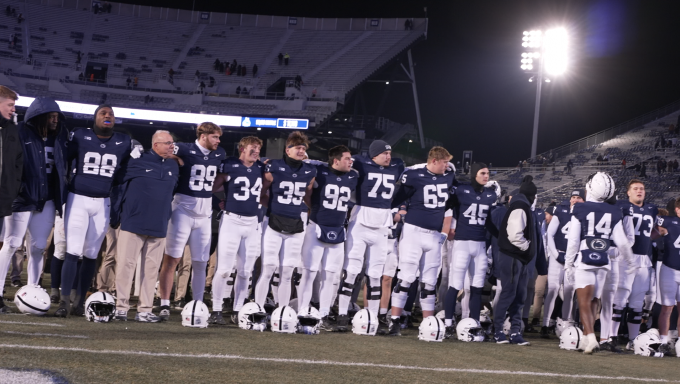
(611, 132)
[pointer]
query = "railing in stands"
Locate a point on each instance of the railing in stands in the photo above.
(612, 132)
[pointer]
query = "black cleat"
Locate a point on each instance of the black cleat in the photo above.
(383, 325)
(217, 319)
(545, 332)
(77, 311)
(326, 325)
(663, 348)
(395, 327)
(54, 296)
(62, 311)
(17, 283)
(179, 304)
(342, 324)
(450, 332)
(3, 308)
(610, 346)
(409, 322)
(165, 313)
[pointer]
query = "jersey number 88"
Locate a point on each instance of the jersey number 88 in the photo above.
(96, 164)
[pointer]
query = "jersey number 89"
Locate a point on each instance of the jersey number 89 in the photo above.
(292, 192)
(202, 177)
(96, 164)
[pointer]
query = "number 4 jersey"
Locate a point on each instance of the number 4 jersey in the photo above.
(242, 190)
(96, 161)
(471, 212)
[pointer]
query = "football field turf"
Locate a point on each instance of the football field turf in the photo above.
(74, 350)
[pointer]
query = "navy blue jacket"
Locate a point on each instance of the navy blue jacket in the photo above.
(146, 196)
(34, 184)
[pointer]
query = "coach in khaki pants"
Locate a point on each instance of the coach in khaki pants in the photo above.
(149, 184)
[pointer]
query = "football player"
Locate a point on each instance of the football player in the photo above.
(369, 225)
(593, 224)
(323, 246)
(98, 153)
(632, 289)
(422, 236)
(472, 204)
(287, 182)
(669, 273)
(43, 186)
(557, 246)
(192, 211)
(391, 264)
(240, 233)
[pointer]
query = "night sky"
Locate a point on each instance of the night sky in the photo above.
(473, 95)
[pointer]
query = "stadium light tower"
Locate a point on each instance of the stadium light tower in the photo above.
(545, 54)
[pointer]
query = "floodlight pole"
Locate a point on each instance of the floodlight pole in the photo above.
(412, 75)
(537, 108)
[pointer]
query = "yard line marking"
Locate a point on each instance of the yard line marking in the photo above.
(340, 363)
(46, 334)
(29, 323)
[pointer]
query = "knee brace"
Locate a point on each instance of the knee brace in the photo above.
(296, 278)
(427, 297)
(373, 289)
(402, 286)
(634, 317)
(231, 277)
(275, 280)
(345, 287)
(645, 314)
(617, 314)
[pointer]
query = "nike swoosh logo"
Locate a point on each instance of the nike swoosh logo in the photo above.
(119, 142)
(149, 170)
(351, 177)
(28, 143)
(306, 172)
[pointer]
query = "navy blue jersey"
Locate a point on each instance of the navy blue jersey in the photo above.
(242, 190)
(597, 223)
(427, 194)
(330, 196)
(288, 188)
(671, 242)
(563, 213)
(376, 183)
(471, 212)
(96, 161)
(643, 223)
(199, 171)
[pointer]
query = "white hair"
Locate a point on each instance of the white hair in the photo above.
(154, 138)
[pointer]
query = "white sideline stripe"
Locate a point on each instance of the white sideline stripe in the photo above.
(46, 334)
(29, 323)
(328, 362)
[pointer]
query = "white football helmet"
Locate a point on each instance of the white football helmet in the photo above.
(100, 307)
(365, 323)
(252, 317)
(431, 328)
(561, 325)
(32, 300)
(470, 330)
(655, 332)
(677, 348)
(647, 344)
(600, 187)
(195, 314)
(284, 320)
(572, 339)
(309, 320)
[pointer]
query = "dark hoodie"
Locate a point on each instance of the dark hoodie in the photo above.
(35, 181)
(11, 165)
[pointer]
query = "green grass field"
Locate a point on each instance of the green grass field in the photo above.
(124, 352)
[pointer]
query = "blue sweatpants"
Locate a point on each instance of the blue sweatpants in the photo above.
(514, 277)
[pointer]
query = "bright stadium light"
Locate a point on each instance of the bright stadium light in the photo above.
(544, 53)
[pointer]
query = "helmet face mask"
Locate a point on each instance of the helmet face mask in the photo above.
(100, 307)
(309, 320)
(470, 330)
(252, 317)
(647, 344)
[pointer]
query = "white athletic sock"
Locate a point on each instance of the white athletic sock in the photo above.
(304, 289)
(329, 287)
(664, 339)
(383, 311)
(165, 303)
(219, 287)
(346, 295)
(286, 277)
(448, 322)
(198, 275)
(35, 264)
(262, 286)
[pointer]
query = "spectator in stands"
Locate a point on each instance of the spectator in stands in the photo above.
(135, 82)
(197, 74)
(605, 158)
(212, 82)
(92, 77)
(216, 64)
(20, 18)
(286, 59)
(599, 159)
(245, 91)
(314, 92)
(643, 170)
(201, 87)
(298, 81)
(238, 70)
(570, 166)
(243, 70)
(659, 166)
(81, 77)
(657, 144)
(8, 11)
(623, 165)
(14, 12)
(519, 165)
(280, 56)
(238, 90)
(171, 76)
(146, 99)
(675, 165)
(11, 40)
(128, 81)
(254, 70)
(407, 24)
